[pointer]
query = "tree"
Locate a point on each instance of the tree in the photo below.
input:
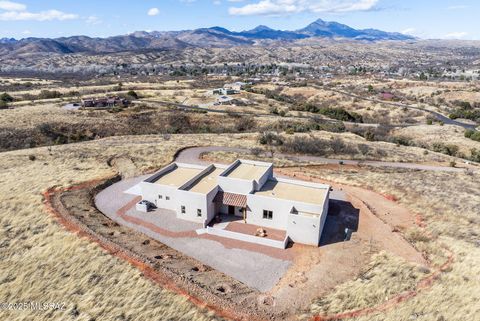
(6, 98)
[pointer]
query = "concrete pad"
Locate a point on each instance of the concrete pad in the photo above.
(257, 270)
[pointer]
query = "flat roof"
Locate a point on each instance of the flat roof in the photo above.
(294, 192)
(207, 182)
(178, 176)
(247, 171)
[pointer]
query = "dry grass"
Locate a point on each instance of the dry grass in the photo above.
(42, 262)
(449, 203)
(370, 287)
(448, 134)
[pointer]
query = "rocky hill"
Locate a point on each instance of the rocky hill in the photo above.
(214, 37)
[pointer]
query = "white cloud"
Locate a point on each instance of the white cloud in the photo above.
(93, 20)
(14, 11)
(456, 35)
(39, 16)
(283, 7)
(458, 7)
(12, 6)
(153, 12)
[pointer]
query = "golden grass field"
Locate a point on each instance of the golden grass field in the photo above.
(449, 204)
(42, 262)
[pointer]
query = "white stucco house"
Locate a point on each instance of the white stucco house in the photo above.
(245, 190)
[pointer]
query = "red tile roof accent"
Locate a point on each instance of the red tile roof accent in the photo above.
(231, 199)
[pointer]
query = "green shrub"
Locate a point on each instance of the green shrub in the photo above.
(341, 114)
(450, 149)
(270, 139)
(132, 94)
(473, 134)
(6, 98)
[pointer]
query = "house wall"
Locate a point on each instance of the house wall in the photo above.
(192, 202)
(256, 205)
(235, 185)
(152, 191)
(301, 229)
(304, 229)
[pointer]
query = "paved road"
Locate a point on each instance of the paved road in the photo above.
(439, 116)
(192, 155)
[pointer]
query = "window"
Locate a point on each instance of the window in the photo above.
(267, 215)
(167, 198)
(199, 212)
(160, 197)
(183, 209)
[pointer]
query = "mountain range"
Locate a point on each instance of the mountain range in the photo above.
(214, 37)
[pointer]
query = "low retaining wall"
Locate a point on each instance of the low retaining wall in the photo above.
(248, 238)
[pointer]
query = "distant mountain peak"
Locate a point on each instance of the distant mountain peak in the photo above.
(200, 38)
(261, 28)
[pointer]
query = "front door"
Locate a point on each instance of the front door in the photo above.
(231, 210)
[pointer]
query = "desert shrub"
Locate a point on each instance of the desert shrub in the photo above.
(256, 151)
(341, 114)
(363, 149)
(306, 145)
(132, 94)
(369, 135)
(245, 123)
(338, 145)
(3, 104)
(5, 97)
(274, 110)
(475, 155)
(49, 94)
(472, 114)
(473, 134)
(178, 123)
(448, 149)
(402, 140)
(270, 139)
(316, 146)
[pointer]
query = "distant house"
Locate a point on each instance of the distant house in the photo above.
(105, 102)
(237, 86)
(387, 96)
(224, 91)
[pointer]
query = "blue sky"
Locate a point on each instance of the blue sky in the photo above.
(54, 18)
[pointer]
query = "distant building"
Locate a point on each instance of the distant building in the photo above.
(237, 86)
(105, 102)
(387, 96)
(224, 91)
